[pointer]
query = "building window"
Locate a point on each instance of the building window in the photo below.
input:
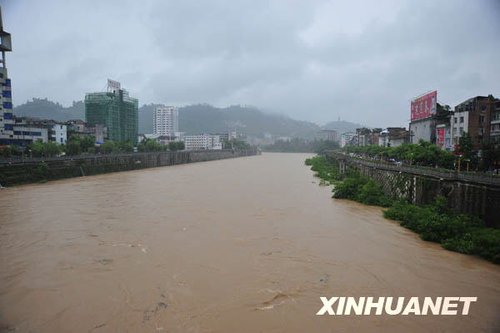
(461, 119)
(461, 130)
(481, 119)
(455, 120)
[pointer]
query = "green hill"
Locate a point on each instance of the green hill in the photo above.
(193, 119)
(45, 109)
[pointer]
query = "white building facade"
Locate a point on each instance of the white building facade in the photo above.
(202, 142)
(59, 134)
(345, 138)
(166, 120)
(197, 142)
(459, 123)
(26, 134)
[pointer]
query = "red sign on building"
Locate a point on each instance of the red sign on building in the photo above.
(440, 137)
(424, 106)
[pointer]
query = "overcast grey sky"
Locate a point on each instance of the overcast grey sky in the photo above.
(361, 61)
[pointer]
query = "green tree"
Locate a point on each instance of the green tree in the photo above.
(41, 149)
(176, 145)
(8, 151)
(150, 145)
(465, 146)
(125, 147)
(86, 142)
(108, 147)
(73, 148)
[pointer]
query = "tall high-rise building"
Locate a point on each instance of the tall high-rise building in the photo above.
(6, 117)
(115, 110)
(166, 120)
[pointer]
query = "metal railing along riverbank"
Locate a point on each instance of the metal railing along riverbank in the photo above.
(445, 174)
(86, 157)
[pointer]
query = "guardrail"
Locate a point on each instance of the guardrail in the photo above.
(22, 161)
(464, 176)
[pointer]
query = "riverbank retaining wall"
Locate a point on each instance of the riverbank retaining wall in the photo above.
(22, 172)
(471, 194)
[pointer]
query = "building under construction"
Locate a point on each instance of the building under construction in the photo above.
(115, 110)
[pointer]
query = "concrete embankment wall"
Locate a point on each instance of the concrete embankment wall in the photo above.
(478, 195)
(18, 172)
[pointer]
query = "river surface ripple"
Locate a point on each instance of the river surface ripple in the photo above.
(239, 245)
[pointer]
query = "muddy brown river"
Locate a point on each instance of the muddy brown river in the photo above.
(240, 245)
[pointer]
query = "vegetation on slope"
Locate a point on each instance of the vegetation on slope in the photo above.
(423, 153)
(456, 232)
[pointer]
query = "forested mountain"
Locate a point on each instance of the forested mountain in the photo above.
(193, 119)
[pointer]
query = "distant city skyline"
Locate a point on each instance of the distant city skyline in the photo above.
(314, 61)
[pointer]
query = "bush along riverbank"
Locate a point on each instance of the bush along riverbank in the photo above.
(456, 232)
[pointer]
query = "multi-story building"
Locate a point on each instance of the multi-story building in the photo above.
(330, 135)
(366, 136)
(363, 135)
(495, 123)
(115, 110)
(430, 121)
(76, 126)
(422, 124)
(202, 142)
(197, 142)
(166, 120)
(7, 136)
(347, 139)
(231, 135)
(423, 129)
(475, 116)
(59, 134)
(27, 130)
(215, 142)
(393, 137)
(442, 119)
(26, 134)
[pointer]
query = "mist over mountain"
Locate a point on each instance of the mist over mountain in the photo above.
(193, 119)
(342, 126)
(204, 118)
(45, 109)
(198, 118)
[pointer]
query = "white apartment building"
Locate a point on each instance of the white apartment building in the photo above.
(59, 134)
(26, 134)
(197, 142)
(166, 120)
(215, 142)
(202, 142)
(459, 123)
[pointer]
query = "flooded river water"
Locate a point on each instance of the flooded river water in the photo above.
(240, 245)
